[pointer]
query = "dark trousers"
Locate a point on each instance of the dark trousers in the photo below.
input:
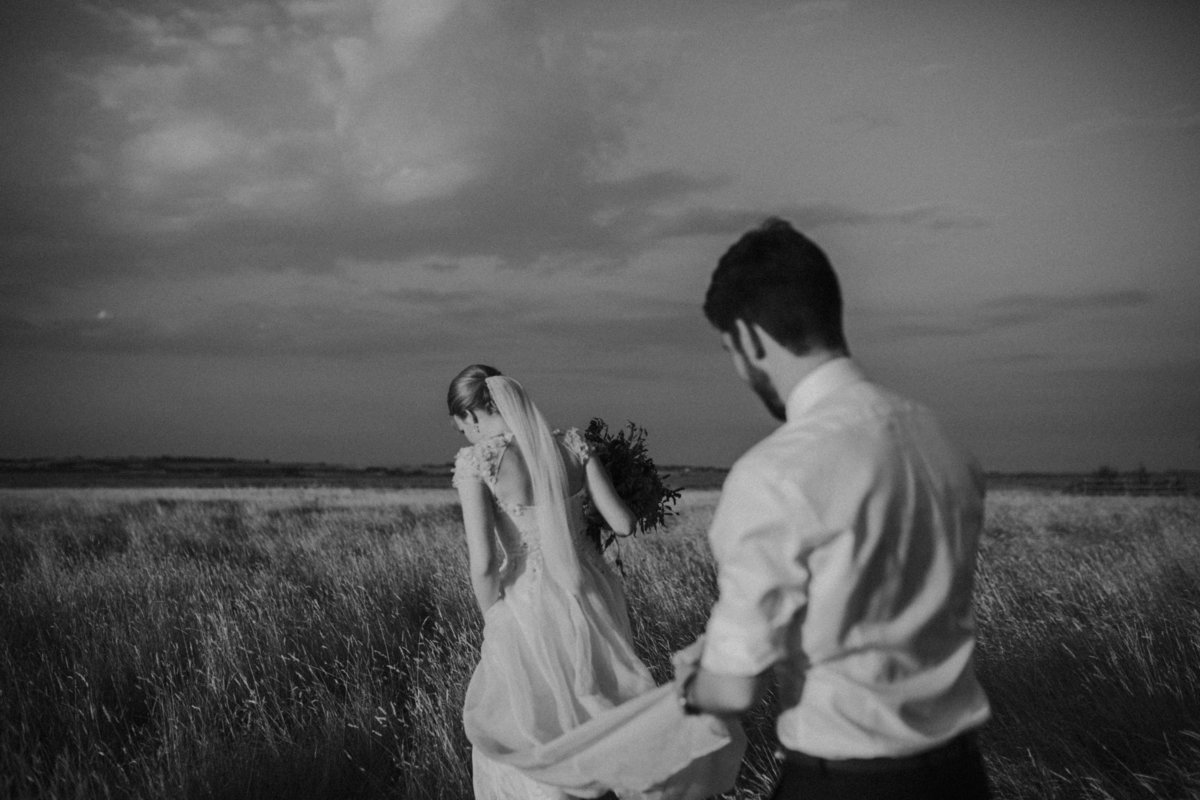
(953, 771)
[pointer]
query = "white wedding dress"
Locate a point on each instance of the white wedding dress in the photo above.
(559, 704)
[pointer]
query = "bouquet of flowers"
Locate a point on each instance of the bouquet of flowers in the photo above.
(635, 478)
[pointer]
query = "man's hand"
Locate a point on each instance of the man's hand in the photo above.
(687, 660)
(723, 695)
(709, 692)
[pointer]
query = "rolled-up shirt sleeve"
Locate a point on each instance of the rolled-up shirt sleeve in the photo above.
(758, 542)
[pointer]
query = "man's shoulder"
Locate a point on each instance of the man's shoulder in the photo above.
(861, 410)
(789, 451)
(856, 424)
(776, 447)
(872, 432)
(864, 396)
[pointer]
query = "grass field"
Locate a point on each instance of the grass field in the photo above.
(307, 643)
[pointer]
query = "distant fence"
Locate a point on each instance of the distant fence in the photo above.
(1138, 485)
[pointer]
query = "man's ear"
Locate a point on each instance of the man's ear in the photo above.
(744, 332)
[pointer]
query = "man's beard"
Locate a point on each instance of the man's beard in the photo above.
(760, 382)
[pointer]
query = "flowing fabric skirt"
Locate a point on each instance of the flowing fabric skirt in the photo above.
(560, 704)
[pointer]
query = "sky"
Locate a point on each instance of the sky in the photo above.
(277, 229)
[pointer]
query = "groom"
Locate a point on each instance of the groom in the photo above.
(845, 546)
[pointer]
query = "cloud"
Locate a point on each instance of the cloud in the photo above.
(205, 113)
(1010, 311)
(358, 316)
(1041, 305)
(866, 121)
(710, 221)
(246, 329)
(809, 13)
(14, 329)
(933, 68)
(166, 153)
(707, 222)
(805, 8)
(308, 131)
(935, 217)
(404, 25)
(631, 327)
(1022, 358)
(462, 303)
(1179, 119)
(298, 136)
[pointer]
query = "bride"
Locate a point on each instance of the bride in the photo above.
(560, 705)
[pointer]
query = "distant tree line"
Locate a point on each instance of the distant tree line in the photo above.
(1139, 482)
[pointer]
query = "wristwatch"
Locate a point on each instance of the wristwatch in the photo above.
(685, 702)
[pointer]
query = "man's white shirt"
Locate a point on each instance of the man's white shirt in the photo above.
(845, 543)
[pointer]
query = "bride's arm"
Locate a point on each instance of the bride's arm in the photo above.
(610, 505)
(481, 549)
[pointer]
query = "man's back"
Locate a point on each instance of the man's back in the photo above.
(845, 546)
(854, 527)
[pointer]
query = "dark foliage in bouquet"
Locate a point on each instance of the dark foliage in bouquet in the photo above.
(635, 478)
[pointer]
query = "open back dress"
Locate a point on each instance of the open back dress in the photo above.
(560, 705)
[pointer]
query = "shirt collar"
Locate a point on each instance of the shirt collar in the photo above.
(824, 380)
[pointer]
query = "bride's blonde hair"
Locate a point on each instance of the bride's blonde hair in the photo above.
(469, 391)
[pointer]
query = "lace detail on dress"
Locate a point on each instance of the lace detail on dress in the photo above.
(577, 443)
(479, 461)
(523, 558)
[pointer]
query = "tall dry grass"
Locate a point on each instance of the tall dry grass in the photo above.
(1089, 617)
(316, 644)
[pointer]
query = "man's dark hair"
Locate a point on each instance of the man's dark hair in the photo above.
(777, 278)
